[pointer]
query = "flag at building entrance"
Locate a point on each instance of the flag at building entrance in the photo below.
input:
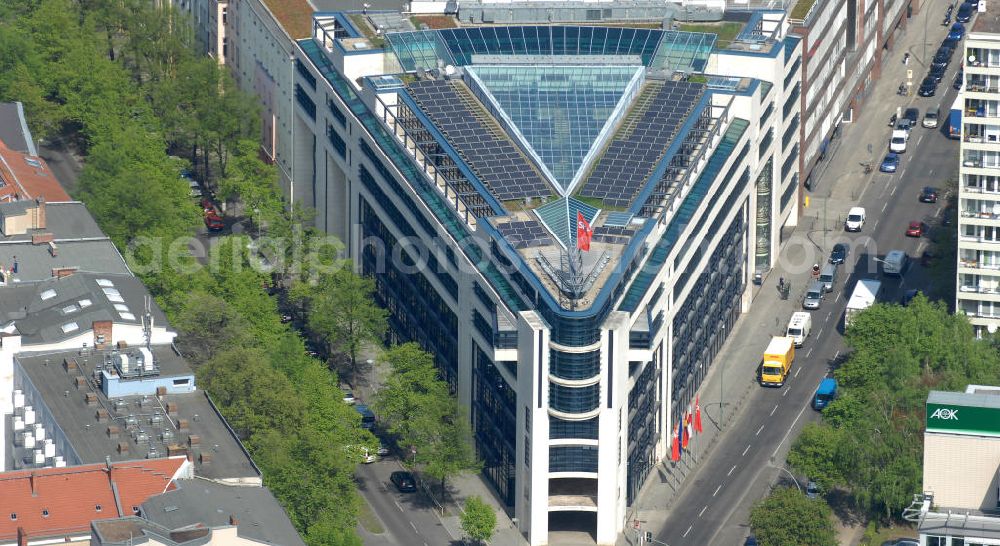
(697, 414)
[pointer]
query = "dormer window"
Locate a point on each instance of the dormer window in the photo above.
(69, 309)
(48, 294)
(105, 283)
(84, 303)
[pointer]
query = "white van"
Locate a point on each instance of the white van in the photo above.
(896, 263)
(799, 327)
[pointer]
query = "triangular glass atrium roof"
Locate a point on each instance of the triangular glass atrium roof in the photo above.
(560, 217)
(562, 115)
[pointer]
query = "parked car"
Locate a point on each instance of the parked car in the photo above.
(839, 253)
(936, 72)
(812, 490)
(349, 398)
(213, 221)
(915, 229)
(973, 3)
(193, 186)
(959, 79)
(964, 14)
(957, 31)
(383, 449)
(855, 219)
(928, 87)
(890, 163)
(750, 541)
(904, 125)
(912, 114)
(403, 481)
(930, 118)
(928, 195)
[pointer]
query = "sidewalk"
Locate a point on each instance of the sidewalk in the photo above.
(840, 184)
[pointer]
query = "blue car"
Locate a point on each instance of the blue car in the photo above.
(957, 32)
(964, 13)
(890, 163)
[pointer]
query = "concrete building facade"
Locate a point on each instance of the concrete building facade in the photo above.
(977, 291)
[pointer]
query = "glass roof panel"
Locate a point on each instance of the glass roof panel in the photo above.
(683, 51)
(559, 111)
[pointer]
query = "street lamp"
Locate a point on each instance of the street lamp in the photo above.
(722, 377)
(790, 475)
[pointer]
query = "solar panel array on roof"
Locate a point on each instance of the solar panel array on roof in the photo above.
(525, 234)
(614, 235)
(478, 140)
(641, 141)
(618, 219)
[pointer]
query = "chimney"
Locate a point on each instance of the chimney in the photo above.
(41, 238)
(233, 521)
(60, 272)
(39, 219)
(34, 484)
(22, 537)
(102, 333)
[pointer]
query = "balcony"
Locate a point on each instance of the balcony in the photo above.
(572, 494)
(978, 289)
(982, 215)
(976, 264)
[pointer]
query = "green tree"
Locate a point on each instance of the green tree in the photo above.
(479, 520)
(786, 517)
(341, 308)
(207, 325)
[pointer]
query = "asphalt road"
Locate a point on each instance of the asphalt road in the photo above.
(714, 508)
(408, 518)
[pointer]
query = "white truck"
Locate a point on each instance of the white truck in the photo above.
(866, 292)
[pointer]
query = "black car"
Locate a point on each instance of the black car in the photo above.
(928, 195)
(912, 114)
(973, 3)
(942, 58)
(964, 13)
(958, 80)
(936, 73)
(403, 481)
(927, 87)
(839, 253)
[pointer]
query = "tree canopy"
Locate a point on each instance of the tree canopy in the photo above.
(870, 440)
(786, 517)
(478, 520)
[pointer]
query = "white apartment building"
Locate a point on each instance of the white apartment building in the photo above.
(978, 281)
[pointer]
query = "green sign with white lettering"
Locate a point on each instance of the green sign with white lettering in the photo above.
(959, 419)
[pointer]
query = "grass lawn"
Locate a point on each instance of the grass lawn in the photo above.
(368, 520)
(888, 533)
(727, 32)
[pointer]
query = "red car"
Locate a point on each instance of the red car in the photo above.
(916, 229)
(213, 221)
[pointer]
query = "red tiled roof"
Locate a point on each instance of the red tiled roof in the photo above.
(27, 177)
(63, 501)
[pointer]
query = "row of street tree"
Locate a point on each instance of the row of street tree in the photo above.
(121, 84)
(869, 445)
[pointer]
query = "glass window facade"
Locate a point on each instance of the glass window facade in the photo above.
(336, 141)
(643, 424)
(574, 399)
(574, 365)
(560, 429)
(336, 112)
(306, 75)
(495, 418)
(306, 102)
(572, 459)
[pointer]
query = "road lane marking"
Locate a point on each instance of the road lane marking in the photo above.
(717, 489)
(797, 370)
(875, 227)
(785, 437)
(920, 247)
(784, 393)
(760, 429)
(730, 473)
(884, 205)
(931, 171)
(828, 315)
(820, 334)
(919, 138)
(936, 212)
(397, 505)
(840, 294)
(702, 510)
(809, 352)
(686, 532)
(894, 188)
(772, 412)
(744, 453)
(836, 354)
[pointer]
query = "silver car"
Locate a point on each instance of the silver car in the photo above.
(814, 296)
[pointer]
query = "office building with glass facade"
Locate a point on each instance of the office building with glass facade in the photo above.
(462, 166)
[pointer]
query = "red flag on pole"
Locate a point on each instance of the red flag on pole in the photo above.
(675, 450)
(583, 232)
(697, 414)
